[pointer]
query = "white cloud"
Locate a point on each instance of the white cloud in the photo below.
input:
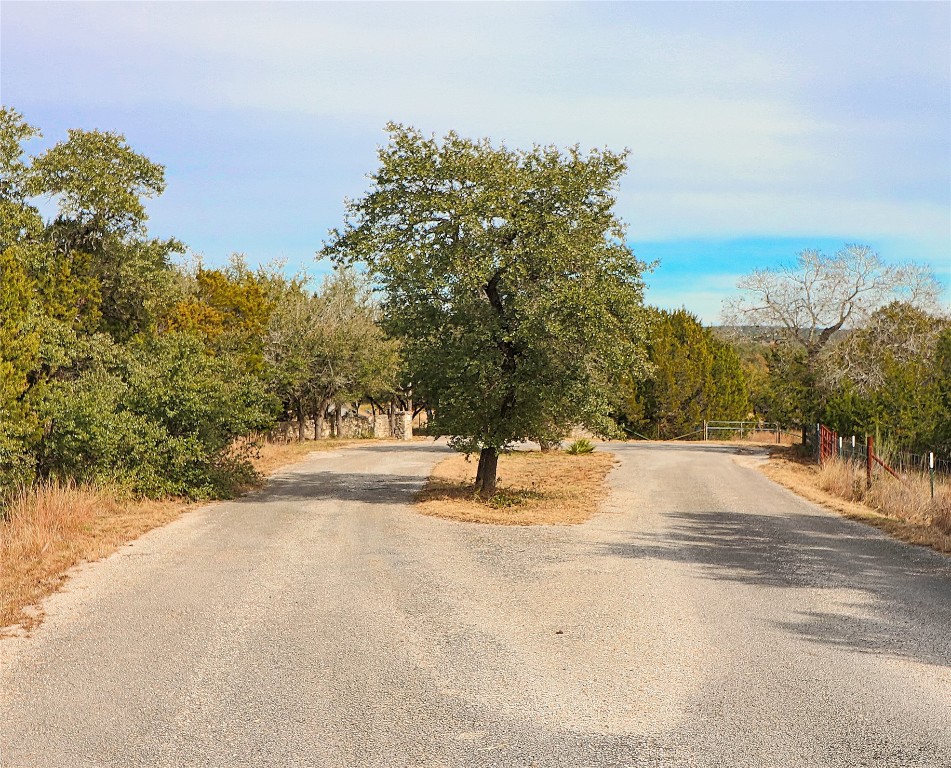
(784, 119)
(696, 214)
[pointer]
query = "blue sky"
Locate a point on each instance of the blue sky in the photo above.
(755, 129)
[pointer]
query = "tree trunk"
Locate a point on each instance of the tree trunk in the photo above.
(299, 412)
(547, 446)
(319, 422)
(480, 470)
(486, 473)
(338, 420)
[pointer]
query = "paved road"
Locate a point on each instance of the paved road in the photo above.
(706, 618)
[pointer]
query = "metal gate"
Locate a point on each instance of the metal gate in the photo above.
(828, 443)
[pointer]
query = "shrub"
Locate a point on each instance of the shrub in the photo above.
(160, 420)
(582, 445)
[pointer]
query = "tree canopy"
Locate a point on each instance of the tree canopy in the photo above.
(890, 377)
(818, 295)
(804, 307)
(118, 365)
(506, 276)
(695, 376)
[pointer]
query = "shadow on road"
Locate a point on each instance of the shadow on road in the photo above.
(693, 447)
(907, 591)
(370, 488)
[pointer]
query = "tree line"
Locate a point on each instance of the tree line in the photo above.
(846, 339)
(119, 365)
(852, 341)
(495, 286)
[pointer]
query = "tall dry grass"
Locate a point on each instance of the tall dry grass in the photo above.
(47, 529)
(908, 499)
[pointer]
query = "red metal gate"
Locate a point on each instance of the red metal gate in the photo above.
(828, 443)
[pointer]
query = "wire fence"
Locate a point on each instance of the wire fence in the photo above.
(732, 430)
(853, 448)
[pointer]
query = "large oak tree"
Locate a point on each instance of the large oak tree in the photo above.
(506, 275)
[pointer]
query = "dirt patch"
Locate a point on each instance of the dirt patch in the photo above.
(804, 478)
(534, 489)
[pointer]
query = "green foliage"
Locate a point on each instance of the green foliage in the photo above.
(507, 280)
(20, 224)
(940, 439)
(507, 498)
(99, 270)
(891, 378)
(159, 417)
(93, 384)
(99, 182)
(695, 376)
(228, 308)
(789, 394)
(326, 347)
(805, 307)
(580, 446)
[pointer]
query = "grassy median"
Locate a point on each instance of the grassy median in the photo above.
(534, 489)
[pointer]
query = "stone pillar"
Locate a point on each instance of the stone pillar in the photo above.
(403, 425)
(381, 425)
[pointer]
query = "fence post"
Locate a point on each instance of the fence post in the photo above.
(931, 471)
(779, 438)
(819, 443)
(704, 430)
(840, 446)
(869, 454)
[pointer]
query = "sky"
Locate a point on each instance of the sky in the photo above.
(755, 130)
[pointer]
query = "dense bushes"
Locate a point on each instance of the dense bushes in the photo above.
(892, 377)
(889, 377)
(117, 366)
(160, 416)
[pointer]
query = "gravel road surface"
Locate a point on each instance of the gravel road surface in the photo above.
(706, 618)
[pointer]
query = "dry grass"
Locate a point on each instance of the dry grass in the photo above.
(903, 509)
(534, 489)
(47, 530)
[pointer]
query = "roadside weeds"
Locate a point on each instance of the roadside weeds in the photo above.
(902, 509)
(534, 489)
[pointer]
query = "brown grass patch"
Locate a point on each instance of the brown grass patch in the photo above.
(49, 529)
(903, 509)
(534, 489)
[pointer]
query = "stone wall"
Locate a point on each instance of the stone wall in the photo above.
(381, 425)
(399, 425)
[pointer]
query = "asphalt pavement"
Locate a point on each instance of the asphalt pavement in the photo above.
(706, 617)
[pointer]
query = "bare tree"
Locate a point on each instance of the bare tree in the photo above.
(807, 302)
